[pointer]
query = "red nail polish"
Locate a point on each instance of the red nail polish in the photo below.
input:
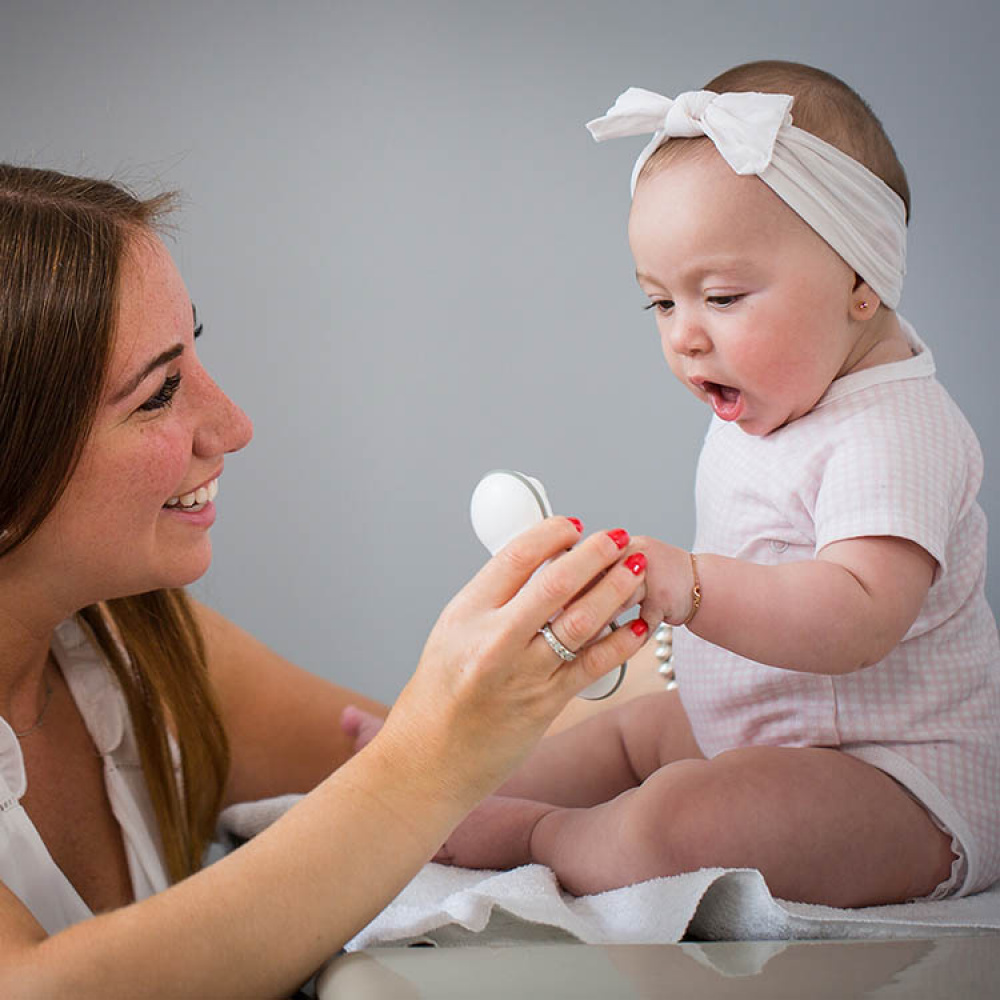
(577, 523)
(619, 536)
(639, 627)
(636, 563)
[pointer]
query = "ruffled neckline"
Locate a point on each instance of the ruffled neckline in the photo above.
(96, 693)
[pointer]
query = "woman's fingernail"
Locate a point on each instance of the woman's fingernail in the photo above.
(619, 536)
(639, 627)
(636, 563)
(577, 523)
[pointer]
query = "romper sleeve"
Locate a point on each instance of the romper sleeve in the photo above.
(903, 463)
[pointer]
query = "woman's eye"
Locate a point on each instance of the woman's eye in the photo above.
(164, 395)
(660, 305)
(723, 300)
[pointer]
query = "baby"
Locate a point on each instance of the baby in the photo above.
(837, 721)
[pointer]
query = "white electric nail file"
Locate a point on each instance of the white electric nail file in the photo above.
(503, 505)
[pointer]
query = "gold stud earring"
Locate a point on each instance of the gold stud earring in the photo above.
(862, 305)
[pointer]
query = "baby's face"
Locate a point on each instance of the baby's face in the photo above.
(752, 306)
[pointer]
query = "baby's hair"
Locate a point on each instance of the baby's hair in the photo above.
(824, 105)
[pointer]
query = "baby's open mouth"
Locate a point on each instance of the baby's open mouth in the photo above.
(727, 401)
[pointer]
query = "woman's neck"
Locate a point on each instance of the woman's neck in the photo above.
(25, 641)
(25, 686)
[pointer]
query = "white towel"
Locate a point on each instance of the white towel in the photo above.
(456, 906)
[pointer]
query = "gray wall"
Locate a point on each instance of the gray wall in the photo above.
(411, 258)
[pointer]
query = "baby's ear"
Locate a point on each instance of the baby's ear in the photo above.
(864, 302)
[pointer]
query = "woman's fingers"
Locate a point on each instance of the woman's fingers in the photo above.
(511, 568)
(578, 572)
(586, 616)
(524, 586)
(605, 654)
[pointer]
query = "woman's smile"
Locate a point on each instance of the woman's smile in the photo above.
(197, 498)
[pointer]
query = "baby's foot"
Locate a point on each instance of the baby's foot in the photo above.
(496, 834)
(360, 726)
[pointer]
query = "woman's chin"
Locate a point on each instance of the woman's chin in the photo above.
(182, 572)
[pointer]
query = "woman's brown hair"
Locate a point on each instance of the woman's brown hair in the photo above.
(62, 242)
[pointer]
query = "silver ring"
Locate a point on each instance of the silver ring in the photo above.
(557, 647)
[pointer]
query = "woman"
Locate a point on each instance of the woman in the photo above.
(131, 714)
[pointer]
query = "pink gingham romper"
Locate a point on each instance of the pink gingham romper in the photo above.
(885, 452)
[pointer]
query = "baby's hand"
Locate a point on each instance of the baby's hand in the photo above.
(665, 594)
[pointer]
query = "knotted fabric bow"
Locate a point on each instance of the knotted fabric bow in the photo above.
(851, 208)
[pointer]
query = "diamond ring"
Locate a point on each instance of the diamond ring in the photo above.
(557, 647)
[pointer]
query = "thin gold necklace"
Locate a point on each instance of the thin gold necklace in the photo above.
(37, 724)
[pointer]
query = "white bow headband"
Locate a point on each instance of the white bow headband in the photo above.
(857, 213)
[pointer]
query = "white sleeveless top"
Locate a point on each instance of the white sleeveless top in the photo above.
(26, 867)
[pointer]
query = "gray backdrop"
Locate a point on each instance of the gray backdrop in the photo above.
(411, 258)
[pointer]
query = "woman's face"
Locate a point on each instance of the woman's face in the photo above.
(133, 517)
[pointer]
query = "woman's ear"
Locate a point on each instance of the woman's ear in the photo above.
(864, 302)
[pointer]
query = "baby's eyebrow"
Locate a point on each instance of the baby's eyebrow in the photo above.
(724, 266)
(640, 277)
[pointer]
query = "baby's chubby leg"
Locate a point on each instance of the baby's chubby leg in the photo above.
(589, 764)
(821, 826)
(606, 754)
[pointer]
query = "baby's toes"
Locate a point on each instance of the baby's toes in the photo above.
(360, 726)
(495, 835)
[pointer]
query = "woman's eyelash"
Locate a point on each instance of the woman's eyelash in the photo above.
(661, 303)
(164, 395)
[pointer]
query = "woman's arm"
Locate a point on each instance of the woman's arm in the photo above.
(259, 921)
(283, 722)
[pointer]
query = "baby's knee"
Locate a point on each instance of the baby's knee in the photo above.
(668, 827)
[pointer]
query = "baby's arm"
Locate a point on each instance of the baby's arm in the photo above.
(841, 611)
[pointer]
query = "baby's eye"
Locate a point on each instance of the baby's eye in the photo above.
(660, 305)
(164, 395)
(723, 300)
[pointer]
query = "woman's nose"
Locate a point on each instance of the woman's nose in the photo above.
(222, 426)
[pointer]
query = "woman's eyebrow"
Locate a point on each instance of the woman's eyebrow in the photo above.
(163, 358)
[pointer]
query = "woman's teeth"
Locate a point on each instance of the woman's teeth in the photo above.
(196, 499)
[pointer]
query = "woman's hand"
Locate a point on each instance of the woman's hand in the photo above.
(486, 688)
(488, 684)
